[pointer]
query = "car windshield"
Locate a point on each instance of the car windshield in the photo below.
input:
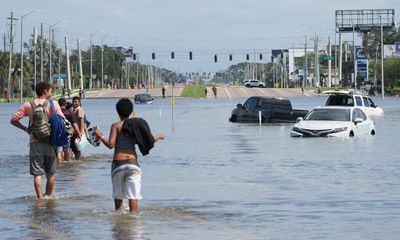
(323, 114)
(143, 97)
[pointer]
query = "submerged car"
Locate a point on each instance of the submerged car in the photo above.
(346, 98)
(266, 109)
(334, 122)
(143, 98)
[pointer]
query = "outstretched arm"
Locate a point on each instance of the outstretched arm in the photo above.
(110, 142)
(159, 136)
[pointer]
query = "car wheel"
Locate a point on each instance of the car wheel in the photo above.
(373, 132)
(261, 86)
(351, 134)
(233, 118)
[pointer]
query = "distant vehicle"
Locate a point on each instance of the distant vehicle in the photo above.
(346, 98)
(254, 83)
(334, 121)
(143, 98)
(272, 110)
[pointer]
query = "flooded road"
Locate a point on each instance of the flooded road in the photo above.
(212, 179)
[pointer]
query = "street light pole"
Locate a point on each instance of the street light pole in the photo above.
(91, 59)
(102, 60)
(51, 38)
(382, 57)
(21, 80)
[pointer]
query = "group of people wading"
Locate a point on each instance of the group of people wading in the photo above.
(125, 134)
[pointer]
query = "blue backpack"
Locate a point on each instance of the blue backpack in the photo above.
(59, 135)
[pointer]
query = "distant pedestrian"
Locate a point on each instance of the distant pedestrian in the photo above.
(42, 154)
(302, 90)
(5, 94)
(125, 169)
(205, 92)
(214, 91)
(69, 93)
(163, 91)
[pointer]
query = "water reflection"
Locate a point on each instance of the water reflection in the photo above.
(126, 226)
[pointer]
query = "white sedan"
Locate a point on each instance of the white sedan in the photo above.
(334, 122)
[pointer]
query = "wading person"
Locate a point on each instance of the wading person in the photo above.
(42, 155)
(79, 117)
(63, 151)
(125, 169)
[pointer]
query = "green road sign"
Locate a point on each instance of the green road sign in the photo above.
(328, 58)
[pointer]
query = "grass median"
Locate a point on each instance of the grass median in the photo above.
(194, 91)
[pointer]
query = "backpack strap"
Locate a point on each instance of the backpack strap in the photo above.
(33, 106)
(52, 106)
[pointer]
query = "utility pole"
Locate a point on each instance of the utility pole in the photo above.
(11, 52)
(382, 57)
(4, 42)
(305, 64)
(34, 58)
(137, 72)
(41, 52)
(329, 62)
(340, 56)
(68, 64)
(316, 61)
(355, 62)
(336, 61)
(80, 66)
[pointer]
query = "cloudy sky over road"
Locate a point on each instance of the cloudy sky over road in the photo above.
(205, 27)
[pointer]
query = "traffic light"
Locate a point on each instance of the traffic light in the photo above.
(190, 55)
(230, 57)
(134, 56)
(172, 55)
(260, 56)
(247, 57)
(153, 56)
(215, 58)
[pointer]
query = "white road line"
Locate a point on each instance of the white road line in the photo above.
(261, 90)
(230, 99)
(244, 92)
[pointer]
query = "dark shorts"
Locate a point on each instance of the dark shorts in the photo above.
(42, 158)
(73, 146)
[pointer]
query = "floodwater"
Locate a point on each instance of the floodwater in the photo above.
(212, 179)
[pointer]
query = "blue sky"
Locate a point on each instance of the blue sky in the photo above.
(205, 27)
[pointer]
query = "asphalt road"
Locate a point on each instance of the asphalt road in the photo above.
(222, 92)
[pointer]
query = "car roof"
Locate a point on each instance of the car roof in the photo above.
(337, 92)
(142, 94)
(335, 107)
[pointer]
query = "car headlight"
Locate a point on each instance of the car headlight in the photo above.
(296, 129)
(342, 129)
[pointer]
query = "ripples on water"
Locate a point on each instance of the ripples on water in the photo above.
(213, 179)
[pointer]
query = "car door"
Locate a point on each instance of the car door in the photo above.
(248, 109)
(362, 128)
(367, 107)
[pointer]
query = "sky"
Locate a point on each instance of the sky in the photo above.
(205, 27)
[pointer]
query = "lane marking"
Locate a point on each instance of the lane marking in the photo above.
(227, 92)
(245, 93)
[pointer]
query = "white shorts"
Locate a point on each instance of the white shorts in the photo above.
(127, 182)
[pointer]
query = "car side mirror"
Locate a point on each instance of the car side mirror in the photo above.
(358, 120)
(299, 119)
(239, 105)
